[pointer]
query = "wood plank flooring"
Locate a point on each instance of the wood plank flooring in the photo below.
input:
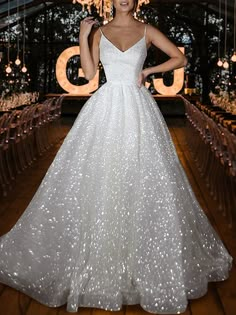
(220, 298)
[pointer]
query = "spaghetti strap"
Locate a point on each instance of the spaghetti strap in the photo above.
(145, 30)
(101, 30)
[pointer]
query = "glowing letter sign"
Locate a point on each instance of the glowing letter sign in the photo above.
(88, 88)
(178, 81)
(62, 79)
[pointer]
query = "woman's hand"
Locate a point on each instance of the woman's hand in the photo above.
(86, 26)
(142, 77)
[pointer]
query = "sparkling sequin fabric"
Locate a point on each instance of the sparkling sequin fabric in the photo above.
(114, 220)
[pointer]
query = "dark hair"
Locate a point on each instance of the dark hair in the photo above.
(134, 9)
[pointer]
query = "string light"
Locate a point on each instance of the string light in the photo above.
(219, 63)
(24, 69)
(226, 64)
(17, 61)
(233, 58)
(8, 67)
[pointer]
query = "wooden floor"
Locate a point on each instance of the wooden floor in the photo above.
(221, 296)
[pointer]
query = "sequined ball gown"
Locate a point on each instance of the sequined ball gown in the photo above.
(115, 220)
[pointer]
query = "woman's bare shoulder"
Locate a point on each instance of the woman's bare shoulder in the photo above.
(140, 24)
(106, 26)
(152, 29)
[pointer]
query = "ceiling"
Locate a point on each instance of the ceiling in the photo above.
(34, 6)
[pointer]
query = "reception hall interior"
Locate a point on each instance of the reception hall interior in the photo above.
(43, 89)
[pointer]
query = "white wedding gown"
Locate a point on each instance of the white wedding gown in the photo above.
(115, 220)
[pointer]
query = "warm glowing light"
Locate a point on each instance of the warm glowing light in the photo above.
(8, 69)
(62, 79)
(233, 58)
(92, 85)
(103, 6)
(225, 65)
(24, 69)
(219, 63)
(17, 62)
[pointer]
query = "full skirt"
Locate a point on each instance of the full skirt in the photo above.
(114, 220)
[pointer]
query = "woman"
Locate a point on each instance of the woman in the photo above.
(132, 30)
(115, 221)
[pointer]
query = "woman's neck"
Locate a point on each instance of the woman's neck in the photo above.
(123, 18)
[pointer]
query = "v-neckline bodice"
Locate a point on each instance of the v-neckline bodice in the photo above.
(122, 66)
(123, 51)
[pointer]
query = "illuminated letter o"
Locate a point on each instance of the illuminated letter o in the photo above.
(62, 79)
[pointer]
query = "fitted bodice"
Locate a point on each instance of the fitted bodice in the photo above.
(122, 66)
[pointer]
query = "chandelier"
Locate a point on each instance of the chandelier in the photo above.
(104, 7)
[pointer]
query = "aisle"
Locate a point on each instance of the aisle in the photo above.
(221, 297)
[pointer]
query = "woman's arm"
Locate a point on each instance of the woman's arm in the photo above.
(177, 58)
(89, 47)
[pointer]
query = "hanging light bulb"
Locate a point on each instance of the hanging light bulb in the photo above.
(225, 64)
(8, 69)
(219, 63)
(24, 69)
(233, 58)
(17, 62)
(18, 28)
